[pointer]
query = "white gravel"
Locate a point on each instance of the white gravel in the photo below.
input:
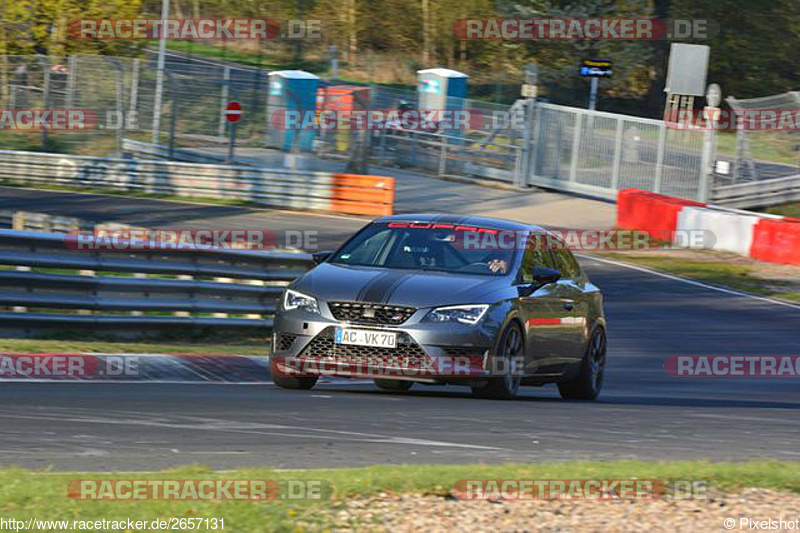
(433, 514)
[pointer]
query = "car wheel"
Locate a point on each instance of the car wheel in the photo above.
(396, 385)
(287, 382)
(590, 379)
(509, 350)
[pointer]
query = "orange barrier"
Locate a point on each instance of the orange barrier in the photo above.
(777, 241)
(362, 195)
(647, 211)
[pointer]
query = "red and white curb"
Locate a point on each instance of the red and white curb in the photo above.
(759, 236)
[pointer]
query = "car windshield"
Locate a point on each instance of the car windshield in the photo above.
(428, 246)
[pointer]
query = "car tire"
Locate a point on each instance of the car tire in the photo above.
(394, 385)
(587, 385)
(302, 383)
(509, 348)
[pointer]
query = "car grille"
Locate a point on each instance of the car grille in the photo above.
(458, 351)
(406, 353)
(369, 313)
(285, 341)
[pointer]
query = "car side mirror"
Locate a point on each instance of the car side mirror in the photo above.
(544, 276)
(319, 257)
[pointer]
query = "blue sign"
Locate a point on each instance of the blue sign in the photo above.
(596, 68)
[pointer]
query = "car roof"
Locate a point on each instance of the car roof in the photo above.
(485, 222)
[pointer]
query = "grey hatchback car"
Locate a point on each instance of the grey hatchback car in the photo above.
(437, 299)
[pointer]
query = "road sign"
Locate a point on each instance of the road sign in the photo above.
(233, 112)
(596, 68)
(529, 91)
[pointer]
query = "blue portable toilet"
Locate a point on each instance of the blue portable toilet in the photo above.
(292, 90)
(442, 89)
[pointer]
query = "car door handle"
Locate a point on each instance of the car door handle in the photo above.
(569, 306)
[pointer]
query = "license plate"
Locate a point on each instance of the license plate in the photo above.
(366, 337)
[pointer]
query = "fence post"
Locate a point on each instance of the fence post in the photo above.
(71, 80)
(174, 109)
(707, 166)
(576, 147)
(226, 79)
(134, 99)
(617, 155)
(120, 108)
(443, 156)
(662, 145)
(46, 96)
(527, 142)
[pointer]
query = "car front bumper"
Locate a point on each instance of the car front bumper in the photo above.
(303, 345)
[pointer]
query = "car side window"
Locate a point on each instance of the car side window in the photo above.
(567, 264)
(535, 256)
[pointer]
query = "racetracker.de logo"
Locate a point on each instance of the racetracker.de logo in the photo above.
(194, 239)
(198, 489)
(733, 366)
(559, 489)
(193, 29)
(606, 29)
(48, 119)
(428, 120)
(734, 119)
(55, 366)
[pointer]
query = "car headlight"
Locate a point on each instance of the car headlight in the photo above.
(298, 300)
(466, 314)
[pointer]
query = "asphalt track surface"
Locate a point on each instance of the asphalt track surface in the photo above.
(643, 412)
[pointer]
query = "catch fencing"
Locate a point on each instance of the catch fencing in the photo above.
(568, 149)
(559, 147)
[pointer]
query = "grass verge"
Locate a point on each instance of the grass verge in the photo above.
(715, 272)
(787, 210)
(43, 495)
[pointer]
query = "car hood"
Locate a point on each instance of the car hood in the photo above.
(399, 287)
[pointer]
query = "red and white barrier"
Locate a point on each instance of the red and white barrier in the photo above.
(760, 236)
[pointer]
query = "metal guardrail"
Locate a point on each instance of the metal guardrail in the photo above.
(188, 287)
(758, 193)
(156, 151)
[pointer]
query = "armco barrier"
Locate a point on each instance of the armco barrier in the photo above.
(777, 241)
(187, 287)
(733, 232)
(323, 191)
(647, 211)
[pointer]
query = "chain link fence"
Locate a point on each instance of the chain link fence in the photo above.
(563, 148)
